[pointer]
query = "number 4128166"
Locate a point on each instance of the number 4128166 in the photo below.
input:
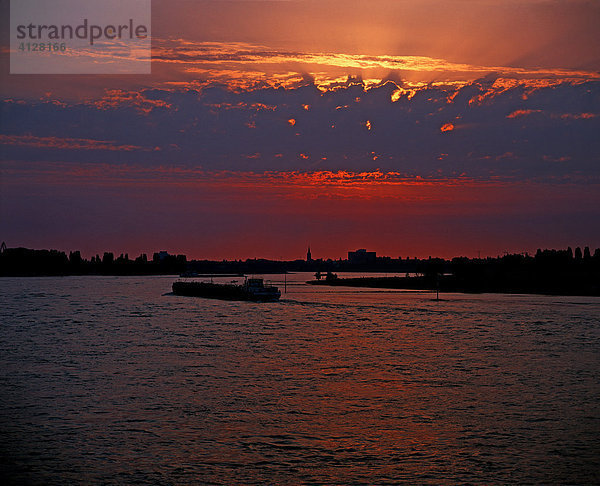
(42, 47)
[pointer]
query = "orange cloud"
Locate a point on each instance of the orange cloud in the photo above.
(522, 113)
(562, 116)
(242, 106)
(116, 98)
(447, 127)
(578, 116)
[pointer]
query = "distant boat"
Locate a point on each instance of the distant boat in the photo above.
(253, 289)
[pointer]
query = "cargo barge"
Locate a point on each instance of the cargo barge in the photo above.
(252, 289)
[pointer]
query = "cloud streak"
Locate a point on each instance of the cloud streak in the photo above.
(59, 143)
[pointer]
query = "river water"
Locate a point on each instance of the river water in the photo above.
(113, 380)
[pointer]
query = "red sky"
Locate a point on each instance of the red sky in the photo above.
(484, 137)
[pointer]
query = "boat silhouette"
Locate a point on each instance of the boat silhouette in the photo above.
(252, 289)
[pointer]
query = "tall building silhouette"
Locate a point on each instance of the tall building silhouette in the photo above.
(308, 255)
(362, 256)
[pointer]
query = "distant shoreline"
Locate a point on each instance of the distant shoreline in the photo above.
(450, 284)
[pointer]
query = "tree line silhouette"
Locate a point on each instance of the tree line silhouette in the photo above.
(28, 262)
(549, 271)
(553, 272)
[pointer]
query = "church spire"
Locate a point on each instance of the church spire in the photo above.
(308, 255)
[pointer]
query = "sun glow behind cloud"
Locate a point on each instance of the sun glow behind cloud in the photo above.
(244, 66)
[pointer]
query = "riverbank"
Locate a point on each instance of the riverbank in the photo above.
(532, 284)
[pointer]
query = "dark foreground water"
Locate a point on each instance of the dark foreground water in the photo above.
(111, 380)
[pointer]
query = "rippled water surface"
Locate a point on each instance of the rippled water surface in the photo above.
(113, 380)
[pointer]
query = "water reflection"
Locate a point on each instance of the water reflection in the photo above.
(114, 380)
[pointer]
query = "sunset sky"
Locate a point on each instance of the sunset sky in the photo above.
(411, 128)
